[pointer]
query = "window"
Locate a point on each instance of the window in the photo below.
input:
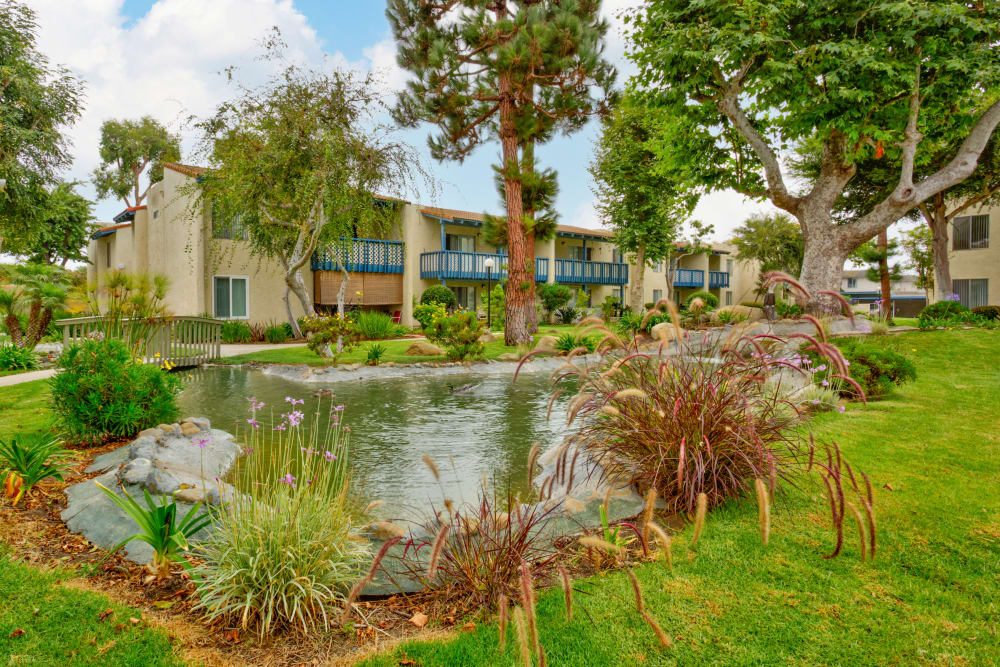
(729, 298)
(230, 297)
(465, 297)
(577, 252)
(658, 267)
(156, 214)
(971, 232)
(971, 292)
(230, 228)
(616, 256)
(852, 283)
(657, 295)
(107, 256)
(460, 242)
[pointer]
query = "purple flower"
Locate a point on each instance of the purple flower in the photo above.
(248, 450)
(288, 479)
(201, 443)
(826, 383)
(253, 422)
(337, 408)
(821, 368)
(841, 408)
(279, 427)
(309, 451)
(815, 401)
(254, 404)
(294, 418)
(294, 401)
(329, 456)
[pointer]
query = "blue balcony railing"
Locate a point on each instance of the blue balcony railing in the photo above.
(718, 279)
(363, 255)
(583, 272)
(457, 265)
(689, 278)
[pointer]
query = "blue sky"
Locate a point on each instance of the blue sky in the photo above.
(162, 57)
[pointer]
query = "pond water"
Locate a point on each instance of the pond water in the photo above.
(486, 429)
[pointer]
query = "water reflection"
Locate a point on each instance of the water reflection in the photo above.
(486, 429)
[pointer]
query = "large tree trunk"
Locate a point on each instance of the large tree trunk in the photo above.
(520, 281)
(635, 301)
(938, 222)
(294, 282)
(528, 164)
(296, 330)
(822, 267)
(13, 325)
(883, 273)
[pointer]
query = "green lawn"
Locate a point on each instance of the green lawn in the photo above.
(395, 352)
(45, 623)
(24, 408)
(932, 596)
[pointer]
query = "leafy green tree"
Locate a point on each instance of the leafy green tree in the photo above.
(299, 162)
(917, 244)
(36, 291)
(553, 297)
(502, 69)
(128, 148)
(636, 196)
(750, 80)
(876, 254)
(772, 239)
(38, 102)
(64, 228)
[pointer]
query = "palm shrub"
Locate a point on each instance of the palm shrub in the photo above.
(567, 342)
(25, 464)
(236, 331)
(374, 354)
(13, 358)
(37, 291)
(629, 323)
(376, 325)
(100, 391)
(459, 334)
(159, 527)
(568, 314)
(132, 307)
(284, 556)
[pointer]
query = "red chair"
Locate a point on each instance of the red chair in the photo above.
(397, 316)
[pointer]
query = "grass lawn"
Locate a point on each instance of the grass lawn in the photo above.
(932, 596)
(24, 408)
(43, 622)
(395, 352)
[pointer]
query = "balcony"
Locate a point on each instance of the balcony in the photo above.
(360, 256)
(457, 265)
(718, 279)
(689, 278)
(582, 272)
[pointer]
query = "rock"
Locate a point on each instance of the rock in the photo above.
(488, 337)
(192, 496)
(384, 530)
(509, 356)
(422, 348)
(661, 329)
(573, 506)
(136, 471)
(546, 345)
(188, 429)
(169, 429)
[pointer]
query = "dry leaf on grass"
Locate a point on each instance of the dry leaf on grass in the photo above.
(419, 619)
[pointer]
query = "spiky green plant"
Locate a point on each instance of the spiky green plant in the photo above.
(25, 464)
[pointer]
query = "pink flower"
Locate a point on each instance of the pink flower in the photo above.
(294, 418)
(329, 456)
(288, 479)
(841, 408)
(279, 427)
(201, 443)
(294, 401)
(253, 422)
(254, 404)
(338, 408)
(825, 383)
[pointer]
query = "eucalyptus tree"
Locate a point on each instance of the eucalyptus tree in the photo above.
(752, 80)
(129, 149)
(513, 70)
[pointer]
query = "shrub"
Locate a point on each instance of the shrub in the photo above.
(787, 311)
(703, 420)
(428, 313)
(752, 304)
(331, 335)
(13, 358)
(23, 465)
(480, 558)
(876, 369)
(277, 333)
(497, 306)
(568, 314)
(459, 333)
(236, 331)
(553, 297)
(376, 325)
(609, 307)
(987, 312)
(159, 527)
(729, 317)
(286, 555)
(101, 392)
(942, 310)
(439, 294)
(375, 353)
(629, 323)
(711, 301)
(568, 342)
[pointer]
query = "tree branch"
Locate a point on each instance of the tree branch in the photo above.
(972, 201)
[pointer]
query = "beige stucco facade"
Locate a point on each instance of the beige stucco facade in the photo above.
(173, 237)
(978, 263)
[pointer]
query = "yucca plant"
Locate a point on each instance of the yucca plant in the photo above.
(159, 528)
(26, 464)
(375, 353)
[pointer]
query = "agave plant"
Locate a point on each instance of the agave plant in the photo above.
(27, 464)
(159, 527)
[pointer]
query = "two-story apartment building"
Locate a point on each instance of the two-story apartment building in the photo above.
(907, 299)
(975, 257)
(212, 272)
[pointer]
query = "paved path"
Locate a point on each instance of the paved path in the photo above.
(225, 351)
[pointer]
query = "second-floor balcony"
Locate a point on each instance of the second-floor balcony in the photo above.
(360, 256)
(459, 265)
(584, 272)
(718, 279)
(689, 278)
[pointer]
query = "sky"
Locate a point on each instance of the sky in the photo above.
(164, 57)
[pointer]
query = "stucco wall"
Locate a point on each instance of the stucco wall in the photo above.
(981, 262)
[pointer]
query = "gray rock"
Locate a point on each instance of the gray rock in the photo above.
(137, 471)
(110, 460)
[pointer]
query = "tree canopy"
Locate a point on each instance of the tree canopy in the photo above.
(63, 228)
(773, 239)
(128, 149)
(513, 71)
(751, 80)
(38, 101)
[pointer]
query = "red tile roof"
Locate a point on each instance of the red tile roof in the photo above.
(186, 169)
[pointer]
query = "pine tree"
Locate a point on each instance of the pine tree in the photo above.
(516, 71)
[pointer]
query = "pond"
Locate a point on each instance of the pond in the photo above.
(483, 429)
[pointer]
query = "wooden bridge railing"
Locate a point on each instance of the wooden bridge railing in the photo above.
(183, 341)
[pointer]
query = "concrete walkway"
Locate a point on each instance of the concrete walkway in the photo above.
(225, 351)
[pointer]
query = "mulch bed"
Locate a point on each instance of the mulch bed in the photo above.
(37, 536)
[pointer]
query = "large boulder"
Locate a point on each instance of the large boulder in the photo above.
(422, 348)
(546, 345)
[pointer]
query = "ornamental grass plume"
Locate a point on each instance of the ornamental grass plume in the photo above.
(502, 621)
(432, 466)
(641, 605)
(763, 510)
(666, 544)
(699, 518)
(438, 545)
(521, 626)
(567, 586)
(647, 514)
(528, 602)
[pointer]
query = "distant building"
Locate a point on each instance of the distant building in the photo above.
(975, 263)
(907, 299)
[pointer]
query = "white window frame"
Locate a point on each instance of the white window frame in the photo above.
(657, 297)
(231, 278)
(729, 297)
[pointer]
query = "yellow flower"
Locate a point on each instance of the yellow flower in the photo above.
(358, 293)
(157, 355)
